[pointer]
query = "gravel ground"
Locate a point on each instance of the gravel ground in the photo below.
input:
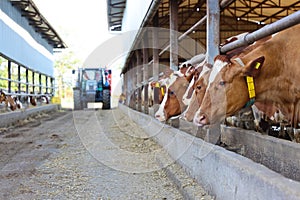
(85, 155)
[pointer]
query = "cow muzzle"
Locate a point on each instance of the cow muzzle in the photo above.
(200, 119)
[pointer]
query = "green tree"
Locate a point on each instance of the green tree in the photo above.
(65, 62)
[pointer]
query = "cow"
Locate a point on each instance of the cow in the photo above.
(32, 99)
(160, 85)
(271, 68)
(17, 102)
(172, 104)
(163, 82)
(188, 93)
(43, 98)
(8, 100)
(198, 92)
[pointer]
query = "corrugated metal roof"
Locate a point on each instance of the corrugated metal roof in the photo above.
(115, 11)
(38, 21)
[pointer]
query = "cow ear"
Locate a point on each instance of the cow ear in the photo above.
(253, 68)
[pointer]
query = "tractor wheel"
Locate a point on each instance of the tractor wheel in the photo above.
(77, 99)
(106, 99)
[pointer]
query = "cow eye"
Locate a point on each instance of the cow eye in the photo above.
(222, 83)
(171, 92)
(199, 87)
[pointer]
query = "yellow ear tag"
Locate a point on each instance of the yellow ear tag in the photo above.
(162, 91)
(156, 84)
(257, 65)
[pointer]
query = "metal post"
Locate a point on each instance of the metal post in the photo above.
(173, 7)
(47, 84)
(134, 83)
(9, 76)
(212, 30)
(139, 80)
(27, 79)
(155, 57)
(52, 86)
(40, 83)
(131, 81)
(126, 91)
(33, 82)
(145, 71)
(155, 48)
(19, 79)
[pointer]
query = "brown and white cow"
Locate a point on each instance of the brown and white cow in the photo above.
(273, 64)
(196, 73)
(172, 104)
(198, 92)
(8, 100)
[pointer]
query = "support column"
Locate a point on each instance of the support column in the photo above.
(33, 82)
(173, 6)
(132, 84)
(27, 79)
(145, 72)
(47, 85)
(9, 76)
(155, 57)
(139, 79)
(213, 30)
(126, 89)
(40, 84)
(19, 78)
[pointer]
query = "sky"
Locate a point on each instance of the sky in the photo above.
(82, 25)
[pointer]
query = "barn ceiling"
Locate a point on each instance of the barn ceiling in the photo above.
(239, 16)
(115, 10)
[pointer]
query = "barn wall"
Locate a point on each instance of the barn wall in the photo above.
(20, 42)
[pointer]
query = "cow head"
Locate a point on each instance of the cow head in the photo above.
(172, 104)
(199, 89)
(194, 73)
(2, 96)
(227, 90)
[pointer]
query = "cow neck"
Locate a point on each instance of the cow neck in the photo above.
(250, 86)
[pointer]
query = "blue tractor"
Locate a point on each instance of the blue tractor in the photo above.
(93, 86)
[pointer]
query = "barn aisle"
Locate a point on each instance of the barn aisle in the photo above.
(54, 158)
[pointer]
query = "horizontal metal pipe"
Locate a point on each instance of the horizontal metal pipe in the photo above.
(267, 30)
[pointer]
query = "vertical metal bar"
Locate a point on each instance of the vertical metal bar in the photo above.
(33, 82)
(52, 85)
(155, 48)
(133, 89)
(9, 76)
(27, 80)
(213, 30)
(155, 57)
(19, 78)
(47, 84)
(126, 89)
(40, 83)
(145, 71)
(173, 7)
(139, 79)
